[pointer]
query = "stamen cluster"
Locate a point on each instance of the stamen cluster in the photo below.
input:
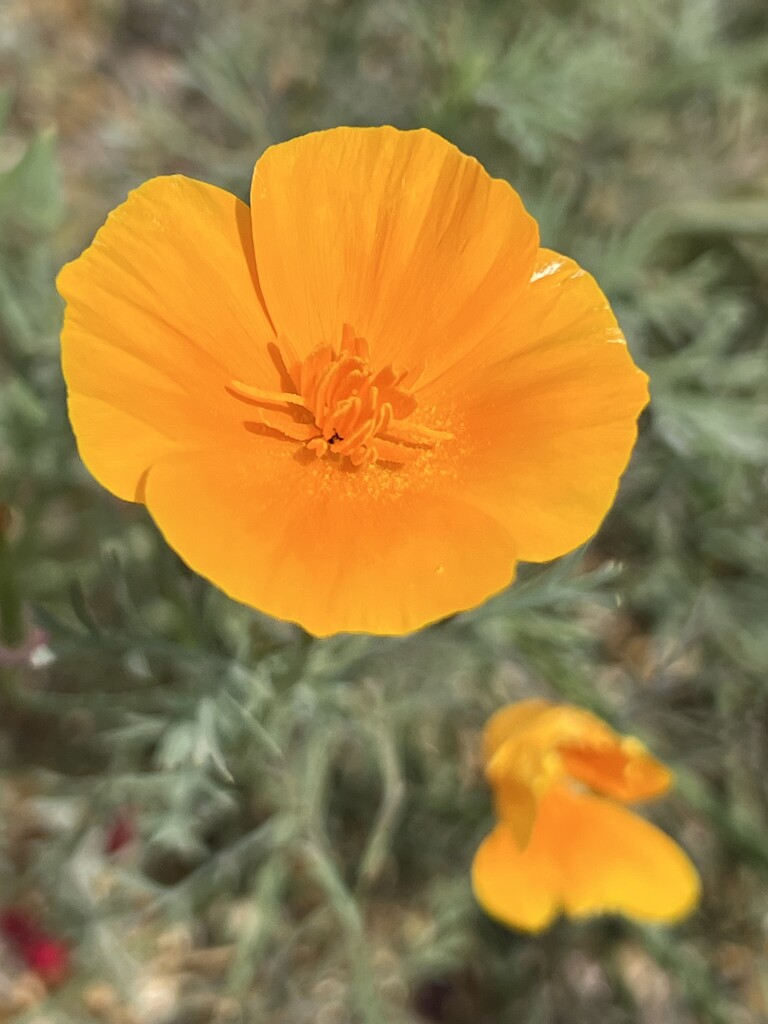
(356, 412)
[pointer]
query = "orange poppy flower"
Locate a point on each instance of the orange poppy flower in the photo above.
(357, 403)
(558, 846)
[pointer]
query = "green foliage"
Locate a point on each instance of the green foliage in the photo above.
(313, 807)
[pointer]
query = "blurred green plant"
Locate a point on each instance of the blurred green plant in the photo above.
(312, 807)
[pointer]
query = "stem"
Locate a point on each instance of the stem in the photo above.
(379, 843)
(273, 833)
(320, 861)
(266, 898)
(345, 908)
(11, 608)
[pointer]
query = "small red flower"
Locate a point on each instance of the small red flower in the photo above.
(48, 958)
(40, 952)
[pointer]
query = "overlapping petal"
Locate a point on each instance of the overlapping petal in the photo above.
(532, 744)
(521, 891)
(398, 234)
(163, 309)
(510, 722)
(623, 770)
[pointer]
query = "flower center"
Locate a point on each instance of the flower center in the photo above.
(340, 405)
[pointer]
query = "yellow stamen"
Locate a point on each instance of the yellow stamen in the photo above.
(355, 412)
(252, 394)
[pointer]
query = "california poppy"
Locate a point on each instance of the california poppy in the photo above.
(357, 403)
(563, 842)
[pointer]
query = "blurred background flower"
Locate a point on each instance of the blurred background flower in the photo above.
(44, 955)
(562, 842)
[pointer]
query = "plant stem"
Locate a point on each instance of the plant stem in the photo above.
(345, 908)
(11, 608)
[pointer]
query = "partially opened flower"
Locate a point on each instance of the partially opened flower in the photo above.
(563, 842)
(358, 403)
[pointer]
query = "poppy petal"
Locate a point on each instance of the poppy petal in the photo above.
(622, 769)
(305, 540)
(586, 856)
(530, 755)
(398, 234)
(614, 861)
(163, 309)
(509, 722)
(533, 741)
(548, 430)
(513, 887)
(516, 804)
